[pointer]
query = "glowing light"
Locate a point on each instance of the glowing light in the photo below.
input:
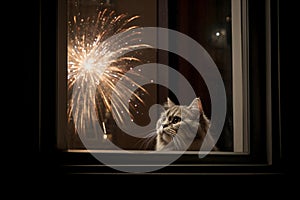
(95, 64)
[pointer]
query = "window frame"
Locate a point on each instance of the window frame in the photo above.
(264, 113)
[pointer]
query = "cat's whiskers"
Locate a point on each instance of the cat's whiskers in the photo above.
(145, 142)
(150, 133)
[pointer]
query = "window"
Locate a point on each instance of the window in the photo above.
(91, 97)
(214, 32)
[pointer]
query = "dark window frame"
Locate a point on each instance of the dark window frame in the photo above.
(264, 123)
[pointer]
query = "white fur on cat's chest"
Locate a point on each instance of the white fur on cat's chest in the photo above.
(166, 137)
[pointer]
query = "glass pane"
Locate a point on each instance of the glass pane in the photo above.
(91, 24)
(105, 49)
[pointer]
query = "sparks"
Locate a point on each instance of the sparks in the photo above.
(95, 65)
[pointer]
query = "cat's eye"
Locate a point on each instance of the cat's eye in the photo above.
(176, 119)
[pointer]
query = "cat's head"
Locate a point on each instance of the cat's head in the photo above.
(178, 125)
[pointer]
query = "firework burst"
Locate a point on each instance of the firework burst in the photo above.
(96, 63)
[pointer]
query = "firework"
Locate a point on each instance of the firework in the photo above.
(96, 64)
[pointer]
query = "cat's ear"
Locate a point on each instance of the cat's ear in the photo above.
(169, 103)
(196, 105)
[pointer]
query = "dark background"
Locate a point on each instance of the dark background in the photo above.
(33, 163)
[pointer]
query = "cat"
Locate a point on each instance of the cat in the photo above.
(168, 134)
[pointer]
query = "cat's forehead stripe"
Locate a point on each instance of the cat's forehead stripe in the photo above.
(173, 111)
